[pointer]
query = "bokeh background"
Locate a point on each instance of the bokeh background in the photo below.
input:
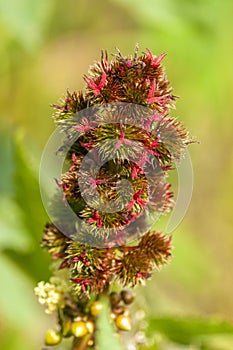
(45, 47)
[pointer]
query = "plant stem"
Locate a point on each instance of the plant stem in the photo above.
(81, 344)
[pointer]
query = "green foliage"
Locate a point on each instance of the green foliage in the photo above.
(12, 338)
(24, 21)
(204, 333)
(13, 234)
(27, 213)
(20, 260)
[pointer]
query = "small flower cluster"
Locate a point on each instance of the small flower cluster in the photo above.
(52, 294)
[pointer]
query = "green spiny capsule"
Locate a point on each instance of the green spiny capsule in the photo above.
(52, 337)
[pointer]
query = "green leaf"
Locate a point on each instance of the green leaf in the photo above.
(216, 342)
(18, 303)
(25, 20)
(12, 231)
(11, 338)
(106, 336)
(22, 216)
(154, 12)
(189, 330)
(27, 191)
(7, 163)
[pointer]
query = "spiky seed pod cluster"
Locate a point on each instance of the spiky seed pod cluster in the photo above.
(130, 98)
(133, 79)
(140, 128)
(92, 270)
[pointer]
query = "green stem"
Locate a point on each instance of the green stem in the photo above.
(81, 343)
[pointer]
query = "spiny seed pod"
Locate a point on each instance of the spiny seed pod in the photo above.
(96, 308)
(52, 337)
(127, 296)
(79, 329)
(115, 298)
(123, 323)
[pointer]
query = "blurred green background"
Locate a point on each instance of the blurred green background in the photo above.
(45, 47)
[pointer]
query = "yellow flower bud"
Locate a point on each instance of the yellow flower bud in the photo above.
(79, 329)
(123, 323)
(90, 326)
(113, 316)
(90, 342)
(52, 337)
(96, 308)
